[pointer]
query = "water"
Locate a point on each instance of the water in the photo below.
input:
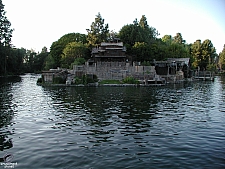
(174, 126)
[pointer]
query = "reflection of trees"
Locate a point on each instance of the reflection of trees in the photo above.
(6, 111)
(103, 106)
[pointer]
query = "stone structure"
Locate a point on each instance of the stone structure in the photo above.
(112, 51)
(108, 61)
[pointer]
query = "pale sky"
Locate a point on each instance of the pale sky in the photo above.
(39, 23)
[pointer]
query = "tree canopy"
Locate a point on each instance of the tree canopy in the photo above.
(74, 50)
(222, 59)
(99, 31)
(202, 53)
(139, 38)
(57, 47)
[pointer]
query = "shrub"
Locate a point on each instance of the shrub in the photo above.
(59, 80)
(130, 80)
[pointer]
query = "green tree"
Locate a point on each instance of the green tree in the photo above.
(5, 39)
(15, 60)
(137, 32)
(196, 52)
(99, 31)
(29, 60)
(44, 49)
(149, 34)
(74, 50)
(222, 59)
(5, 30)
(141, 51)
(49, 62)
(79, 61)
(39, 60)
(203, 53)
(167, 39)
(208, 51)
(178, 39)
(56, 49)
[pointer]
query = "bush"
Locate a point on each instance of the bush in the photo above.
(85, 79)
(110, 82)
(59, 80)
(130, 80)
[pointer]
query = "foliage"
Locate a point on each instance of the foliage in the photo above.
(99, 31)
(85, 79)
(222, 59)
(130, 80)
(110, 82)
(79, 61)
(5, 41)
(56, 49)
(211, 67)
(202, 53)
(49, 62)
(5, 30)
(146, 63)
(72, 51)
(178, 39)
(167, 39)
(141, 51)
(137, 32)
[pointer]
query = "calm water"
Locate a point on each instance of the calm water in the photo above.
(174, 126)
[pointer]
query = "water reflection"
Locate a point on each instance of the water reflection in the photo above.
(6, 111)
(103, 106)
(114, 127)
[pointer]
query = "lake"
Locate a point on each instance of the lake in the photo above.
(173, 126)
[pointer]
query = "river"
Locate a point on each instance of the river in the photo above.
(172, 126)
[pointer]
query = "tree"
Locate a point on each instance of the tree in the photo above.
(142, 52)
(99, 31)
(203, 53)
(44, 49)
(167, 39)
(73, 51)
(137, 32)
(39, 60)
(178, 39)
(5, 39)
(222, 59)
(5, 30)
(56, 49)
(208, 51)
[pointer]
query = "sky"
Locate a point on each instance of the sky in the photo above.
(39, 23)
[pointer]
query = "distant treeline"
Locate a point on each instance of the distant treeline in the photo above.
(139, 38)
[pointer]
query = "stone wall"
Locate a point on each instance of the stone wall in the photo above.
(115, 70)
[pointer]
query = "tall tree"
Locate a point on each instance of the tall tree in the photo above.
(178, 39)
(203, 53)
(167, 39)
(99, 31)
(222, 59)
(137, 32)
(5, 30)
(5, 39)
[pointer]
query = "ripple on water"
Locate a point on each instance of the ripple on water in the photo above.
(113, 127)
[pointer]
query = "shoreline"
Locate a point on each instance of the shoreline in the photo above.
(99, 85)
